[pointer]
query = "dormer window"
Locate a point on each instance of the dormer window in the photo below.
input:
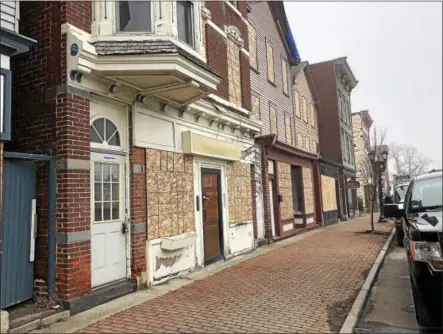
(185, 22)
(133, 16)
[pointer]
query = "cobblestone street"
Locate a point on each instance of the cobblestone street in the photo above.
(306, 286)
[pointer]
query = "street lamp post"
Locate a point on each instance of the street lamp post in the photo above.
(379, 166)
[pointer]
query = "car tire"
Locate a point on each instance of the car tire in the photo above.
(421, 312)
(399, 240)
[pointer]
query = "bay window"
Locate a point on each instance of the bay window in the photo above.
(133, 16)
(185, 22)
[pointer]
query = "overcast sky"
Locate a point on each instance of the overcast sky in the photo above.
(395, 52)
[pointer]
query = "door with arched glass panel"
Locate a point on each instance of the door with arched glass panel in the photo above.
(108, 226)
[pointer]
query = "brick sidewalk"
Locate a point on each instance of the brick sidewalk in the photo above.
(307, 286)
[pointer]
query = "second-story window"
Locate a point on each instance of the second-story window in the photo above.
(234, 73)
(273, 118)
(284, 74)
(304, 110)
(270, 61)
(252, 35)
(288, 128)
(255, 106)
(133, 16)
(312, 111)
(185, 22)
(297, 104)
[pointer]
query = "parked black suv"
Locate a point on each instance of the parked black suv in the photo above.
(423, 240)
(399, 198)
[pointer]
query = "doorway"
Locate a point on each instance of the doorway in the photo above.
(18, 232)
(108, 224)
(212, 215)
(271, 206)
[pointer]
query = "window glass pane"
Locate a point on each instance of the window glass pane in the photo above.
(97, 172)
(115, 210)
(94, 136)
(106, 191)
(134, 15)
(115, 139)
(110, 130)
(98, 191)
(184, 21)
(107, 211)
(98, 212)
(115, 194)
(114, 176)
(106, 172)
(99, 125)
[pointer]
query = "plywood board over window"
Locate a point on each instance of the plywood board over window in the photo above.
(288, 128)
(270, 61)
(252, 34)
(328, 193)
(312, 112)
(299, 140)
(255, 106)
(304, 110)
(284, 73)
(273, 118)
(285, 187)
(297, 104)
(234, 77)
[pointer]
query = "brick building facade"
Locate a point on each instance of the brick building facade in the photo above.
(335, 81)
(151, 135)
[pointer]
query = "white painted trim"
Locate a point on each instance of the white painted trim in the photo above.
(228, 104)
(217, 28)
(5, 62)
(200, 163)
(190, 125)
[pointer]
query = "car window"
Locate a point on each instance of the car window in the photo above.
(400, 193)
(427, 194)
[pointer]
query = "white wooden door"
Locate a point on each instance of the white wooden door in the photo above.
(108, 237)
(271, 205)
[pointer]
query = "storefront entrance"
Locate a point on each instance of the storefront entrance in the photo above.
(212, 215)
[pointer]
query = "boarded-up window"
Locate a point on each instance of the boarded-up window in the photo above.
(284, 74)
(312, 146)
(252, 33)
(255, 106)
(297, 104)
(273, 118)
(288, 127)
(312, 116)
(270, 61)
(299, 140)
(305, 110)
(234, 73)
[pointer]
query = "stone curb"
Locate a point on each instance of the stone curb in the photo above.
(89, 317)
(359, 303)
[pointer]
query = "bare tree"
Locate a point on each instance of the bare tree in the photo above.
(408, 160)
(378, 138)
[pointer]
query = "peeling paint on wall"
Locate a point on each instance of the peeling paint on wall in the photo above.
(166, 261)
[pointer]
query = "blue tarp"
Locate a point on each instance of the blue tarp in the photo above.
(292, 46)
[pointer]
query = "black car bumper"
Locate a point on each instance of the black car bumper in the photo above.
(429, 285)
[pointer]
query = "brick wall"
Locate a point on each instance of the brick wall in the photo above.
(262, 19)
(303, 125)
(170, 193)
(328, 117)
(54, 125)
(216, 47)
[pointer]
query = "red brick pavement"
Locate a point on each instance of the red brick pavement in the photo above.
(307, 286)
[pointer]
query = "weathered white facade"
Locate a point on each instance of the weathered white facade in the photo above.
(190, 137)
